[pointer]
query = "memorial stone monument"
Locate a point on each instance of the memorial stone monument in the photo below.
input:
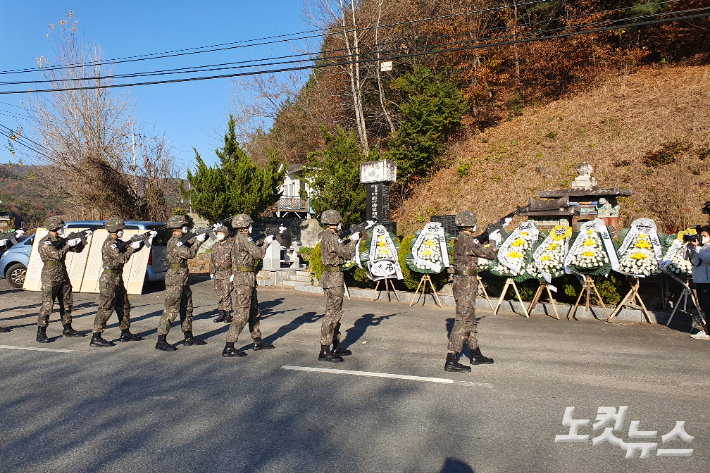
(377, 177)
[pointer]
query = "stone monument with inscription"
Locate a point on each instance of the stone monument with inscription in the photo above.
(377, 177)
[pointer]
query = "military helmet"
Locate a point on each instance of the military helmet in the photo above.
(331, 217)
(178, 221)
(466, 218)
(54, 223)
(241, 221)
(115, 224)
(222, 229)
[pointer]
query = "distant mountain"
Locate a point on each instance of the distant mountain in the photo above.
(25, 197)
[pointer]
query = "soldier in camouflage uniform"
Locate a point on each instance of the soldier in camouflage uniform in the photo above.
(221, 272)
(112, 291)
(333, 254)
(55, 280)
(245, 254)
(178, 295)
(467, 250)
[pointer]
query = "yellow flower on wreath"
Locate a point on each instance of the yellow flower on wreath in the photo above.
(515, 254)
(589, 242)
(519, 242)
(588, 254)
(643, 244)
(545, 258)
(560, 232)
(553, 246)
(639, 255)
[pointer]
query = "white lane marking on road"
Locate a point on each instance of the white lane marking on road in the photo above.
(373, 374)
(57, 350)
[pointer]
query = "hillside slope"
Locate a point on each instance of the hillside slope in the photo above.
(649, 131)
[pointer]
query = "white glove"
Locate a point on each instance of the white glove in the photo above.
(507, 221)
(269, 239)
(136, 245)
(282, 229)
(355, 237)
(215, 226)
(88, 233)
(370, 224)
(153, 234)
(3, 242)
(211, 276)
(496, 237)
(231, 278)
(20, 232)
(201, 237)
(73, 242)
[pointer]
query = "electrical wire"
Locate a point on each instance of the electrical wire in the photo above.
(391, 56)
(235, 45)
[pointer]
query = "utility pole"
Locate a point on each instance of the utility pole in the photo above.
(135, 167)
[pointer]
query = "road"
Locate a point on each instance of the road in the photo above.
(133, 408)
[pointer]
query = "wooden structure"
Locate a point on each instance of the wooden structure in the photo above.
(485, 293)
(510, 282)
(538, 295)
(388, 283)
(588, 286)
(422, 284)
(632, 295)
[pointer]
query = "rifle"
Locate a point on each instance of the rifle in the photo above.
(499, 226)
(11, 235)
(268, 232)
(82, 235)
(357, 228)
(144, 237)
(199, 231)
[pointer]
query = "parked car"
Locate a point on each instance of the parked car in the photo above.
(13, 264)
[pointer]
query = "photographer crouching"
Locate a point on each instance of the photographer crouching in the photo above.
(697, 251)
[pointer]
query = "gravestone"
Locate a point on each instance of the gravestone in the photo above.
(377, 177)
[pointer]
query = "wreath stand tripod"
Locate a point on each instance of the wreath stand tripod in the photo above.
(588, 286)
(388, 283)
(485, 293)
(347, 291)
(422, 284)
(687, 292)
(538, 295)
(630, 297)
(509, 282)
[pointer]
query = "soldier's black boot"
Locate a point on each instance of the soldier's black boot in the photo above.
(327, 355)
(221, 317)
(478, 359)
(260, 344)
(454, 366)
(338, 348)
(4, 330)
(127, 336)
(163, 344)
(70, 332)
(42, 335)
(230, 351)
(191, 340)
(227, 317)
(98, 341)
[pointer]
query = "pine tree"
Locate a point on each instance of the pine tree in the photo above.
(334, 176)
(236, 185)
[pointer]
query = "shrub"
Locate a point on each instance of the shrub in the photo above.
(305, 253)
(611, 289)
(411, 278)
(464, 168)
(667, 154)
(316, 263)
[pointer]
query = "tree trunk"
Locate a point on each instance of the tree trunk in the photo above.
(379, 80)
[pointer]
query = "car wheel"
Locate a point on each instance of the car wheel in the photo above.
(16, 274)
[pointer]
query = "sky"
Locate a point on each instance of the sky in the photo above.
(191, 114)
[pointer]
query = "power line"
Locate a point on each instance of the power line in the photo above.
(389, 57)
(22, 143)
(234, 45)
(27, 138)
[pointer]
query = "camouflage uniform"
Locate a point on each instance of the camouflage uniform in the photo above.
(466, 254)
(55, 279)
(112, 291)
(221, 268)
(333, 254)
(178, 295)
(244, 256)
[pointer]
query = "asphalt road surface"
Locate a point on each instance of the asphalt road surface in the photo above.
(390, 408)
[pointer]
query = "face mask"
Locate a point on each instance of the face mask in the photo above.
(249, 228)
(340, 226)
(220, 236)
(473, 229)
(60, 232)
(185, 229)
(119, 233)
(706, 240)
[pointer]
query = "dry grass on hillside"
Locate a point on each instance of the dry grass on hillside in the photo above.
(658, 115)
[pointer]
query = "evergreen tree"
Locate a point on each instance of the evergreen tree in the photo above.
(236, 185)
(432, 112)
(334, 175)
